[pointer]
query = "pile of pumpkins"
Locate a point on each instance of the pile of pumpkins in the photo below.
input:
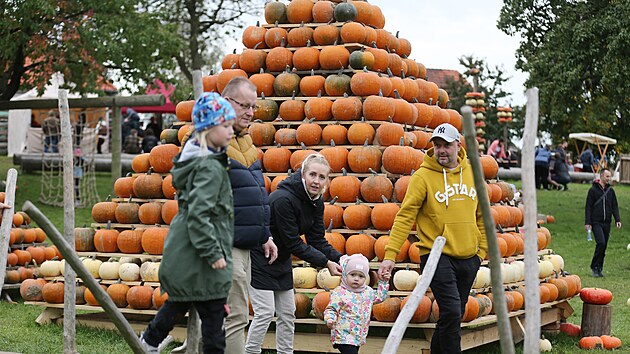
(116, 272)
(477, 100)
(149, 239)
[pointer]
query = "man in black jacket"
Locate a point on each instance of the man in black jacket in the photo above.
(251, 210)
(601, 205)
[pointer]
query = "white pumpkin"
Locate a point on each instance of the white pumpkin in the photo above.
(50, 269)
(556, 260)
(62, 267)
(92, 265)
(520, 265)
(135, 260)
(482, 279)
(405, 280)
(109, 270)
(508, 274)
(304, 277)
(327, 281)
(545, 269)
(129, 272)
(149, 271)
(545, 345)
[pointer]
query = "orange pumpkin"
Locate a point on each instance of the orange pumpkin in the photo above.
(388, 310)
(153, 240)
(361, 243)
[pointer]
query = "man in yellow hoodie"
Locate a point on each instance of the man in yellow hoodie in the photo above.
(442, 200)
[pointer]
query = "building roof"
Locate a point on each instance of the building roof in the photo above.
(440, 76)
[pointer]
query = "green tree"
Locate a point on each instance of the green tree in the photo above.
(87, 41)
(202, 26)
(576, 53)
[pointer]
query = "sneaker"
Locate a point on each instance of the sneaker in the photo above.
(595, 273)
(148, 347)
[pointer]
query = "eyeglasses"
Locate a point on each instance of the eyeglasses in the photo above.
(243, 105)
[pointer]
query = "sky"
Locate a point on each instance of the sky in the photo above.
(442, 31)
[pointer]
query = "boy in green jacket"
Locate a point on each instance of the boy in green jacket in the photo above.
(196, 268)
(442, 200)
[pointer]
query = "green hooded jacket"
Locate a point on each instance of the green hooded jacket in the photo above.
(202, 231)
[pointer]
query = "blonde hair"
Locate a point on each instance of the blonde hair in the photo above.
(202, 138)
(315, 158)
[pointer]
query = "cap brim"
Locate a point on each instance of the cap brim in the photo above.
(448, 139)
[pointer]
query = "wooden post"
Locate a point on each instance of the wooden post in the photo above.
(69, 298)
(116, 142)
(67, 251)
(139, 100)
(498, 293)
(7, 220)
(398, 329)
(532, 283)
(596, 320)
(194, 343)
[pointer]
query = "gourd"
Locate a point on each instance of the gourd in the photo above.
(304, 277)
(545, 345)
(327, 281)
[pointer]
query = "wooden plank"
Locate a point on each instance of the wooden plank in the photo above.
(93, 102)
(350, 46)
(284, 123)
(295, 25)
(109, 282)
(320, 343)
(90, 320)
(125, 310)
(103, 255)
(7, 219)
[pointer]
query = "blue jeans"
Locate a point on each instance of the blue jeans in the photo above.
(51, 143)
(211, 314)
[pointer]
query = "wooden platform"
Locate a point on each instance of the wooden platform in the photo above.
(479, 332)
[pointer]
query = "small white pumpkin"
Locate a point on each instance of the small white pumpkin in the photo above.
(520, 265)
(327, 281)
(109, 270)
(92, 265)
(304, 277)
(129, 272)
(556, 260)
(149, 271)
(483, 278)
(405, 280)
(545, 345)
(62, 267)
(135, 260)
(50, 269)
(545, 269)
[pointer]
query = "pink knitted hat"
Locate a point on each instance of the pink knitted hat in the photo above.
(355, 262)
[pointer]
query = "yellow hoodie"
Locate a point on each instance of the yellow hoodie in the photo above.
(441, 202)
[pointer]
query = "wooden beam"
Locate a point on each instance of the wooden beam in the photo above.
(532, 289)
(7, 220)
(116, 144)
(400, 326)
(67, 251)
(69, 298)
(503, 321)
(120, 101)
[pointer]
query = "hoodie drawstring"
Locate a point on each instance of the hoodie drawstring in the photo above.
(445, 187)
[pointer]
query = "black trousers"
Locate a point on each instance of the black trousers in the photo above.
(347, 348)
(601, 233)
(211, 314)
(451, 285)
(542, 172)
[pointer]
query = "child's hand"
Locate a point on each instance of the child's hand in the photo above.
(385, 276)
(219, 264)
(330, 324)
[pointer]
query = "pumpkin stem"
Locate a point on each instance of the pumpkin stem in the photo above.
(500, 228)
(343, 170)
(332, 142)
(373, 172)
(319, 93)
(397, 32)
(329, 228)
(293, 95)
(389, 73)
(380, 91)
(233, 65)
(129, 174)
(308, 44)
(345, 95)
(282, 44)
(365, 144)
(109, 197)
(303, 145)
(262, 94)
(430, 101)
(129, 200)
(234, 51)
(415, 100)
(384, 199)
(402, 73)
(402, 141)
(396, 94)
(276, 23)
(109, 227)
(312, 72)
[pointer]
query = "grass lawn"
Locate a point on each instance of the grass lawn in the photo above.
(19, 333)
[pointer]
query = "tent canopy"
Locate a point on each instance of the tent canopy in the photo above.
(593, 138)
(158, 87)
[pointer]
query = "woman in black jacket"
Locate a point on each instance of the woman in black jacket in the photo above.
(297, 208)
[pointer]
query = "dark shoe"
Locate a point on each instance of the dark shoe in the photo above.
(595, 273)
(599, 272)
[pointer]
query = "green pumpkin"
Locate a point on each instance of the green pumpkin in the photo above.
(266, 110)
(360, 59)
(345, 12)
(170, 136)
(276, 11)
(337, 85)
(286, 83)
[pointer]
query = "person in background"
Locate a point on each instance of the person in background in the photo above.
(196, 268)
(497, 150)
(52, 131)
(560, 173)
(601, 206)
(442, 200)
(132, 143)
(350, 306)
(541, 166)
(102, 130)
(251, 210)
(588, 159)
(154, 127)
(297, 208)
(149, 141)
